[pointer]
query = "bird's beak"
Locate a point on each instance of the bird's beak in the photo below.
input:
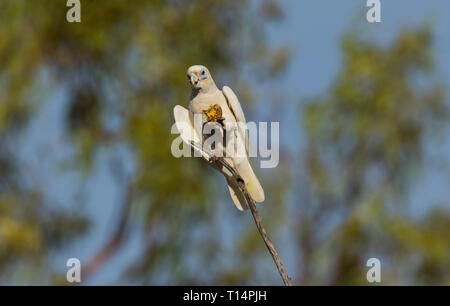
(194, 79)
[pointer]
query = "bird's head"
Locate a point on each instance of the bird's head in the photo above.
(200, 78)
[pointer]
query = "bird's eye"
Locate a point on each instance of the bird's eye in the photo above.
(203, 74)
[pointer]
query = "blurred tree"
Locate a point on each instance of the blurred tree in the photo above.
(122, 70)
(365, 147)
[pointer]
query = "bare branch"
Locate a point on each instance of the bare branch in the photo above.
(219, 163)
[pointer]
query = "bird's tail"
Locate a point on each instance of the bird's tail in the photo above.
(252, 183)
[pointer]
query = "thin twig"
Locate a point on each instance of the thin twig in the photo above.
(219, 163)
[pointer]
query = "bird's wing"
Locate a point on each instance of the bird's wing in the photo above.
(242, 163)
(185, 124)
(235, 107)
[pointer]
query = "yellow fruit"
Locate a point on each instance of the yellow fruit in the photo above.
(214, 113)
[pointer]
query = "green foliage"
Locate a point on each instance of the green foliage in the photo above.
(365, 142)
(123, 70)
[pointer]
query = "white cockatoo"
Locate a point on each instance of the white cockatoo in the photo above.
(205, 97)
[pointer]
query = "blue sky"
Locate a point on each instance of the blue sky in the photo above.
(313, 29)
